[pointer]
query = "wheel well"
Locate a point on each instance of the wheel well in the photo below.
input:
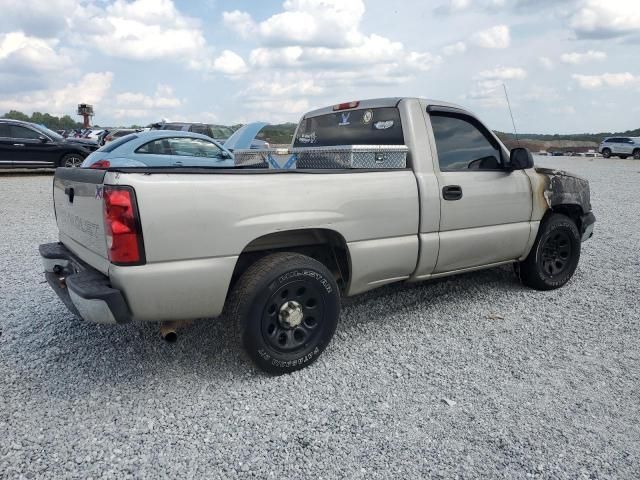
(574, 212)
(326, 246)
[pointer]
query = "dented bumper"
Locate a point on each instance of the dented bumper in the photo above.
(86, 292)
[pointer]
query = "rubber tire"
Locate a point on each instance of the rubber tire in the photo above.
(530, 272)
(249, 298)
(623, 157)
(63, 160)
(606, 153)
(636, 154)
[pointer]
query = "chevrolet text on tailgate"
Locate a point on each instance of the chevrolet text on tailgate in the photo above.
(370, 193)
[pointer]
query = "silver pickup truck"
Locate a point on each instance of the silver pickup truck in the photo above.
(379, 191)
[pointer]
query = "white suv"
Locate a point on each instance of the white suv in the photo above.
(622, 147)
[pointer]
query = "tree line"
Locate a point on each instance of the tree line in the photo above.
(50, 121)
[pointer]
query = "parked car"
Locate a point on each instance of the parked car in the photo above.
(218, 132)
(117, 133)
(622, 147)
(425, 190)
(28, 145)
(160, 148)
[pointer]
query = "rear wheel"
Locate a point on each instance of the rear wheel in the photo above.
(286, 307)
(554, 256)
(71, 160)
(606, 153)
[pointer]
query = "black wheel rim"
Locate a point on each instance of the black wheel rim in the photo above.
(556, 254)
(289, 336)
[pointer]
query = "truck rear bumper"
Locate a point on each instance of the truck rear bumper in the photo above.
(85, 291)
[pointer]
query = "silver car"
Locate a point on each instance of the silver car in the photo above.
(622, 147)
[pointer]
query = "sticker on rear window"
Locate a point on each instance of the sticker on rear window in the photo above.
(308, 138)
(345, 119)
(383, 125)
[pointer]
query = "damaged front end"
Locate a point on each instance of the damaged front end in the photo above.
(565, 193)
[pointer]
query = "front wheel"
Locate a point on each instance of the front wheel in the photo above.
(636, 154)
(71, 160)
(286, 307)
(606, 153)
(554, 256)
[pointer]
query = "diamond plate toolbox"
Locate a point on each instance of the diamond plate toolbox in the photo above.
(322, 158)
(352, 156)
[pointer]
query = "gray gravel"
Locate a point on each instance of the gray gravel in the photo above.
(468, 377)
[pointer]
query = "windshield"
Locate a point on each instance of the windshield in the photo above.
(371, 126)
(50, 133)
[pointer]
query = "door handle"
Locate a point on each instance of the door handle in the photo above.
(452, 192)
(18, 144)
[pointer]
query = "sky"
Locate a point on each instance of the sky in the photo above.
(570, 66)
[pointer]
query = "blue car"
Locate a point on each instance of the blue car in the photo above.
(161, 148)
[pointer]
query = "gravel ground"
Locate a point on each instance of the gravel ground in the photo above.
(468, 377)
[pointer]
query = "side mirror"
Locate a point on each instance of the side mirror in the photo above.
(43, 139)
(227, 155)
(520, 159)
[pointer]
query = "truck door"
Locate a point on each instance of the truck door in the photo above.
(485, 209)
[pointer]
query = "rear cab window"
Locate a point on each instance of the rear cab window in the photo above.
(367, 126)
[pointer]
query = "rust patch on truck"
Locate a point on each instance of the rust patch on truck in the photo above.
(556, 187)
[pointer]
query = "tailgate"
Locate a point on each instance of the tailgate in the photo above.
(77, 196)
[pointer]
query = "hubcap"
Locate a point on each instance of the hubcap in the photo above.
(73, 162)
(293, 317)
(291, 314)
(556, 254)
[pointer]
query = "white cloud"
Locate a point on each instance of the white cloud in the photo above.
(91, 88)
(19, 52)
(503, 73)
(139, 30)
(576, 58)
(139, 105)
(546, 63)
(36, 18)
(488, 89)
(494, 37)
(590, 82)
(454, 48)
(230, 63)
(322, 40)
(606, 18)
(453, 6)
(317, 23)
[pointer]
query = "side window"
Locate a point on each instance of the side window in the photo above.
(201, 129)
(4, 130)
(462, 146)
(156, 147)
(23, 132)
(194, 147)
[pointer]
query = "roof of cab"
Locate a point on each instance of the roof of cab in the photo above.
(381, 103)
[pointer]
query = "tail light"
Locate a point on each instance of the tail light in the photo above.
(101, 164)
(345, 106)
(122, 226)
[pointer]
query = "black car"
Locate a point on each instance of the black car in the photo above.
(27, 145)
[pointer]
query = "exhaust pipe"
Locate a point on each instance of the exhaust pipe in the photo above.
(169, 331)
